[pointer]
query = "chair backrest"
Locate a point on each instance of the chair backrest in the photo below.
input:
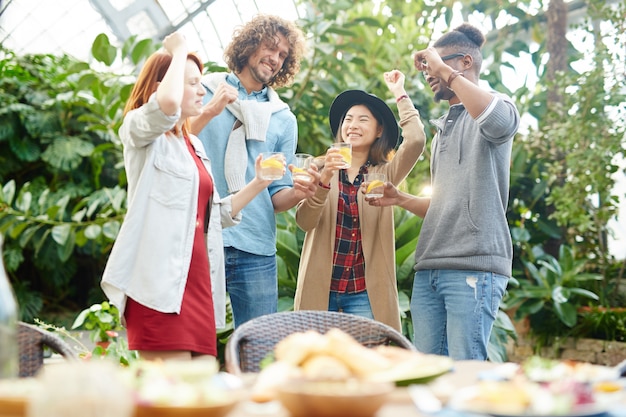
(31, 341)
(251, 342)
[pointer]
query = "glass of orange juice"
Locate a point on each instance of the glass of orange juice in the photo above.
(302, 162)
(374, 184)
(272, 165)
(345, 149)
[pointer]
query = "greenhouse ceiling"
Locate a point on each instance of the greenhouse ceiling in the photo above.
(70, 26)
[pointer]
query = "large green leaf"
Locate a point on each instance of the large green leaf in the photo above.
(102, 50)
(67, 153)
(567, 313)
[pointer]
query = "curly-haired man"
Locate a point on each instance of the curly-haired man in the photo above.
(242, 117)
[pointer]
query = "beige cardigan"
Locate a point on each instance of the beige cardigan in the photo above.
(317, 216)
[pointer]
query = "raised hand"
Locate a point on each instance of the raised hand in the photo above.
(224, 95)
(174, 41)
(395, 82)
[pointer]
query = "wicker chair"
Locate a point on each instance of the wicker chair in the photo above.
(252, 341)
(31, 341)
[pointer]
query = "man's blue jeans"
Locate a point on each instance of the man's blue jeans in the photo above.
(251, 283)
(453, 311)
(357, 303)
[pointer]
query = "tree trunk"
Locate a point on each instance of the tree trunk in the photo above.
(557, 50)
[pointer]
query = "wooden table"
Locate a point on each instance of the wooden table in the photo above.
(464, 373)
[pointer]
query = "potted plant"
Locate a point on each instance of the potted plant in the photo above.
(103, 322)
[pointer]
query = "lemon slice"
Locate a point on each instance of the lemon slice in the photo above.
(374, 184)
(271, 163)
(299, 170)
(346, 154)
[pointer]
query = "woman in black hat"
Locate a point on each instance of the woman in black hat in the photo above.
(348, 256)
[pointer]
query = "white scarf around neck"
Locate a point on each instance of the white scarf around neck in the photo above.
(254, 117)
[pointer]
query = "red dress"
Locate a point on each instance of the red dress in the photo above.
(194, 328)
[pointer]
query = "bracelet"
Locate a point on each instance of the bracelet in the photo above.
(402, 97)
(324, 185)
(453, 76)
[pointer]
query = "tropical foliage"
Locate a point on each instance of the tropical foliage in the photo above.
(62, 184)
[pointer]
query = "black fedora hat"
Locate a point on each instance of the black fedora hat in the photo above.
(344, 101)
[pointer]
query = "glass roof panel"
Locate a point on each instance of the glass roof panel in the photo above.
(70, 26)
(29, 26)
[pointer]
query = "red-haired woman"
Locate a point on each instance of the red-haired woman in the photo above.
(166, 269)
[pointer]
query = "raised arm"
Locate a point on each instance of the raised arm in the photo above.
(466, 88)
(169, 93)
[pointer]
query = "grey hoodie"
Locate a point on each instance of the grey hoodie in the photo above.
(465, 227)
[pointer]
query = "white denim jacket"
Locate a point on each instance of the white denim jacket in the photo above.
(150, 258)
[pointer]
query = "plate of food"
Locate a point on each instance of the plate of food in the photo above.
(524, 398)
(184, 389)
(540, 369)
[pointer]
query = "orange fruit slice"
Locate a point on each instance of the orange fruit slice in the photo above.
(271, 163)
(374, 184)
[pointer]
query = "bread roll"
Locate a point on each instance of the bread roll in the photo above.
(297, 347)
(325, 367)
(361, 360)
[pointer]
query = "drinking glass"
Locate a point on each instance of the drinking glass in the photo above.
(375, 184)
(272, 165)
(302, 162)
(345, 149)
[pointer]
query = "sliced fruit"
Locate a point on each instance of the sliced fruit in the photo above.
(271, 163)
(346, 154)
(374, 184)
(299, 170)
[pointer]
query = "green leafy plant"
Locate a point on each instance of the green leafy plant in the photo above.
(503, 330)
(605, 323)
(116, 347)
(102, 320)
(550, 292)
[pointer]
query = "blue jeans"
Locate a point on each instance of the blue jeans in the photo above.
(357, 303)
(453, 311)
(251, 283)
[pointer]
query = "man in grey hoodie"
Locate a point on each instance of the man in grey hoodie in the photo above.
(464, 255)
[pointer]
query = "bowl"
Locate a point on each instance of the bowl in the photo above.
(334, 398)
(15, 394)
(13, 406)
(212, 410)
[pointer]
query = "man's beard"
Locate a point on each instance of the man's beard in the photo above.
(445, 94)
(261, 77)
